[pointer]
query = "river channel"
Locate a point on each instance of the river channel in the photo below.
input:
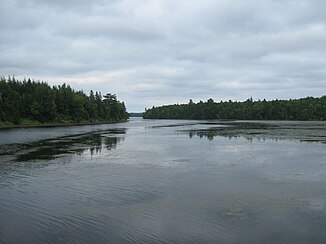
(164, 181)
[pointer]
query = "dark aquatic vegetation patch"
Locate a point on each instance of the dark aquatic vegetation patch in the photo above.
(40, 154)
(116, 131)
(170, 125)
(307, 132)
(312, 140)
(72, 144)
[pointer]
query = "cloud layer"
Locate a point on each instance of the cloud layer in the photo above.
(155, 52)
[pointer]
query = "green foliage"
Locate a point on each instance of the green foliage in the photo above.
(308, 108)
(36, 101)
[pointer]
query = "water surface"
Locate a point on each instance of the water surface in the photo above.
(162, 181)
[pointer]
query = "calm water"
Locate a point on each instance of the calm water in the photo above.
(152, 181)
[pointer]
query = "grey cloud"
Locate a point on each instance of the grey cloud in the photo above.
(59, 5)
(164, 51)
(112, 29)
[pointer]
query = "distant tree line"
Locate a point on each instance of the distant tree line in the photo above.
(308, 108)
(136, 114)
(37, 101)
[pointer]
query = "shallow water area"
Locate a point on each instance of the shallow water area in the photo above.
(164, 181)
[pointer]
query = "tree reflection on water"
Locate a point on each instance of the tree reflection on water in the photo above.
(49, 149)
(262, 131)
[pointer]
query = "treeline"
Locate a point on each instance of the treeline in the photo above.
(308, 108)
(29, 100)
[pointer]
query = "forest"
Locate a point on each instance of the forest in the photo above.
(308, 108)
(35, 102)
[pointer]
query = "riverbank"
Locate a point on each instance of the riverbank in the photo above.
(35, 124)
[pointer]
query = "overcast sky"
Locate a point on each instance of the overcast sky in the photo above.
(153, 52)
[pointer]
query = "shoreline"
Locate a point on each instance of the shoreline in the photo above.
(48, 125)
(239, 120)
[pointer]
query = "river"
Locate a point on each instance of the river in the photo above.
(164, 181)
